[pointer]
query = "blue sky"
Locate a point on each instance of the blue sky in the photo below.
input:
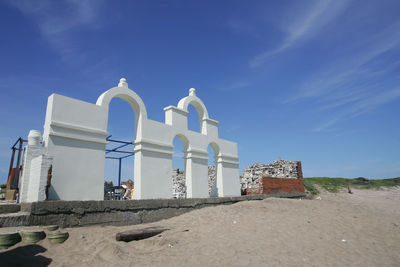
(316, 81)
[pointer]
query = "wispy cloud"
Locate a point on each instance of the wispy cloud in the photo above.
(359, 107)
(351, 67)
(57, 20)
(241, 26)
(235, 86)
(178, 154)
(359, 81)
(306, 23)
(370, 103)
(326, 125)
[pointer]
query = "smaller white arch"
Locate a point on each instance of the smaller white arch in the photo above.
(215, 147)
(196, 102)
(183, 139)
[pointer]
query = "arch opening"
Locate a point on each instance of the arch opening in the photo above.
(180, 144)
(213, 151)
(194, 119)
(119, 158)
(129, 96)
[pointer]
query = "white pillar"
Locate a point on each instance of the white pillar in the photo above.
(31, 151)
(38, 178)
(196, 173)
(152, 170)
(228, 180)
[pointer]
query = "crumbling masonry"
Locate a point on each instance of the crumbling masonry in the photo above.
(179, 183)
(279, 174)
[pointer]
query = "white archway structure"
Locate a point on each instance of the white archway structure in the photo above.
(75, 138)
(123, 92)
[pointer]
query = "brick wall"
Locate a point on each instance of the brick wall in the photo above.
(270, 185)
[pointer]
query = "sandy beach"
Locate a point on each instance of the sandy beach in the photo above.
(341, 229)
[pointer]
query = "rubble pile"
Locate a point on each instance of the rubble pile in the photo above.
(212, 181)
(178, 184)
(280, 168)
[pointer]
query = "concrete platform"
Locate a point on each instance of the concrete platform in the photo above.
(6, 207)
(115, 212)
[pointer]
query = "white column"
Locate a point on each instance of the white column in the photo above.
(38, 178)
(196, 173)
(31, 151)
(152, 170)
(228, 180)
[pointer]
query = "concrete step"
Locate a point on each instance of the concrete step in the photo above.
(9, 208)
(14, 219)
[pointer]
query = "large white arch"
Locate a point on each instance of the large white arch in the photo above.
(122, 91)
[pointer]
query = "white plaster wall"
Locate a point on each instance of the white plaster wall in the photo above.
(30, 152)
(74, 117)
(227, 182)
(156, 173)
(38, 180)
(78, 169)
(162, 135)
(75, 136)
(196, 177)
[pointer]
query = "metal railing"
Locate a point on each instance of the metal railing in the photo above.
(117, 149)
(15, 172)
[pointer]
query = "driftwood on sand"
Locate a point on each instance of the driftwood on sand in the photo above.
(139, 234)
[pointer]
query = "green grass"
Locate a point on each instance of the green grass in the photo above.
(309, 185)
(335, 184)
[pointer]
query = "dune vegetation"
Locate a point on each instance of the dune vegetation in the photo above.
(334, 185)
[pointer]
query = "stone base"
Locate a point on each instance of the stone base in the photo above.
(115, 212)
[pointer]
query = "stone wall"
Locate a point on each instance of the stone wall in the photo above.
(212, 181)
(280, 168)
(114, 212)
(179, 183)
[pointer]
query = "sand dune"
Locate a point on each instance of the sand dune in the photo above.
(360, 229)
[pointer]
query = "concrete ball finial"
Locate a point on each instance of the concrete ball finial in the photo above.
(192, 91)
(122, 83)
(34, 138)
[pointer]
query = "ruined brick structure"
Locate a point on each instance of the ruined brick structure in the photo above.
(279, 176)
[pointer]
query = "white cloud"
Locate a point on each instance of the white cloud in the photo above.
(57, 20)
(306, 23)
(338, 77)
(242, 27)
(235, 86)
(326, 125)
(374, 101)
(178, 154)
(357, 82)
(359, 107)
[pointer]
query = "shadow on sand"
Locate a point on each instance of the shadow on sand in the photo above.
(24, 256)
